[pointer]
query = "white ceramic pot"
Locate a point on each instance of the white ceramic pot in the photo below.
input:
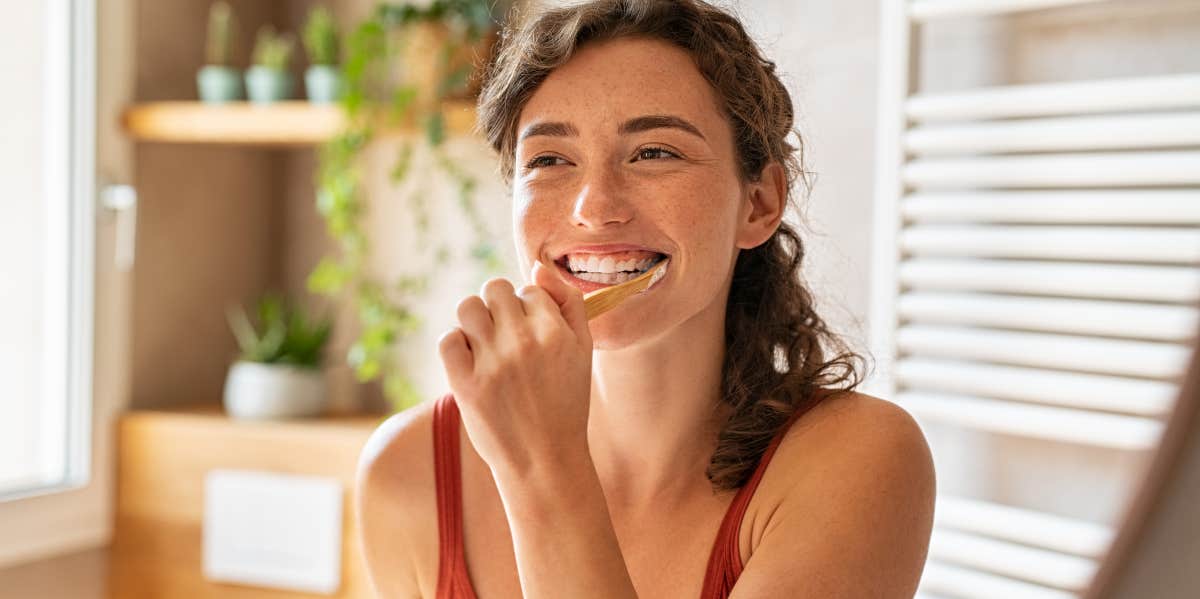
(264, 391)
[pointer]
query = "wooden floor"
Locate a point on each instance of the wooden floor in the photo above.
(80, 575)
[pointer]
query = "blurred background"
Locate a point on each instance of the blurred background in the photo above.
(247, 223)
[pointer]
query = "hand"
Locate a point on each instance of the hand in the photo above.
(520, 367)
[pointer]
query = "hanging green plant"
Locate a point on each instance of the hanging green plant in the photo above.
(373, 101)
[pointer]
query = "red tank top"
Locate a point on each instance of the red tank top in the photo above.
(724, 562)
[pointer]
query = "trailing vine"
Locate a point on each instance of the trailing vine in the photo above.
(375, 101)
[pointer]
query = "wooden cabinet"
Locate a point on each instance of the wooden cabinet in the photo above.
(163, 457)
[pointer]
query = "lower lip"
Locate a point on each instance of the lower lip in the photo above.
(589, 286)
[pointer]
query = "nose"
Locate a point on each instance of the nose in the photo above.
(600, 201)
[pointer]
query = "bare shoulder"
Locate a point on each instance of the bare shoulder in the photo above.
(396, 501)
(394, 453)
(851, 490)
(865, 431)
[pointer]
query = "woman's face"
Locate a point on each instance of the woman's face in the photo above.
(625, 146)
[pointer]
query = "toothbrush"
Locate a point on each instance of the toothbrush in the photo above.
(602, 300)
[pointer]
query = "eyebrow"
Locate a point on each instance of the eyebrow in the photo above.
(634, 125)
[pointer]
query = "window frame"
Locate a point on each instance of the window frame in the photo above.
(74, 512)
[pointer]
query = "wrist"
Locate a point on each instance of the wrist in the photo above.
(562, 477)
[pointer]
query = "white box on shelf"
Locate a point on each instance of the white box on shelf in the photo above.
(274, 530)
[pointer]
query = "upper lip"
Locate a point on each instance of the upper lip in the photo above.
(608, 248)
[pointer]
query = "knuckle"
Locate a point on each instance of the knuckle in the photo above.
(524, 341)
(468, 305)
(496, 285)
(449, 338)
(530, 290)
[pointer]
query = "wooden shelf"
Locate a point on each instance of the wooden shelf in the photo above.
(163, 457)
(289, 123)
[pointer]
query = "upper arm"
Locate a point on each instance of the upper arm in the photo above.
(384, 507)
(858, 518)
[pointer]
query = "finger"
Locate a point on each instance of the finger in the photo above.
(540, 306)
(503, 303)
(476, 321)
(568, 298)
(457, 360)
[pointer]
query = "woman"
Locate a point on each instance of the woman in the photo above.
(628, 456)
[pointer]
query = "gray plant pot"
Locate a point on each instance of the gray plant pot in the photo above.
(265, 85)
(218, 84)
(323, 84)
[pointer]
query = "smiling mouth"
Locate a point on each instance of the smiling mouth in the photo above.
(605, 270)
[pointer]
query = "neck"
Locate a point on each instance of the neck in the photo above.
(655, 413)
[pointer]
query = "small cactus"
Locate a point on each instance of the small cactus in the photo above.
(219, 48)
(321, 37)
(271, 50)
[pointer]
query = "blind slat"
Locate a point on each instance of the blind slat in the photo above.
(1039, 422)
(1101, 206)
(1083, 317)
(1067, 134)
(1057, 170)
(960, 582)
(924, 10)
(1175, 245)
(1065, 389)
(1066, 352)
(1047, 568)
(1106, 281)
(1019, 525)
(1054, 99)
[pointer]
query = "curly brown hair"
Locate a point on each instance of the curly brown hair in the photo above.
(776, 345)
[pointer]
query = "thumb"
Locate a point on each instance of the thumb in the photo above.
(568, 298)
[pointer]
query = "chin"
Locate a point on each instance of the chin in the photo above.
(610, 332)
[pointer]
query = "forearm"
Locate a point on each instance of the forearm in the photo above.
(562, 533)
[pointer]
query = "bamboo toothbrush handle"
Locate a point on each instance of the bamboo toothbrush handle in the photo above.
(602, 300)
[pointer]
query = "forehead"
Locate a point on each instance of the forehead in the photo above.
(606, 82)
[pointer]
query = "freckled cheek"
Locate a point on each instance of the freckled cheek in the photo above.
(706, 229)
(533, 222)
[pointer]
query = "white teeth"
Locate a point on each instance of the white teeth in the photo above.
(607, 278)
(606, 264)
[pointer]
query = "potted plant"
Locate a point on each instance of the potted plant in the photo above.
(269, 80)
(278, 372)
(322, 79)
(217, 80)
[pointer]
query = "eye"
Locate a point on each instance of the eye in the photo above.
(540, 161)
(651, 152)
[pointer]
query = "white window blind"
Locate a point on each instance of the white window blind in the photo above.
(1037, 277)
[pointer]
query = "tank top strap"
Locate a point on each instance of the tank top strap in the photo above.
(725, 560)
(453, 581)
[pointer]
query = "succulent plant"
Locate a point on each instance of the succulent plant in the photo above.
(321, 37)
(218, 50)
(271, 50)
(285, 334)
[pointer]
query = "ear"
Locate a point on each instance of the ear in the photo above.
(763, 207)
